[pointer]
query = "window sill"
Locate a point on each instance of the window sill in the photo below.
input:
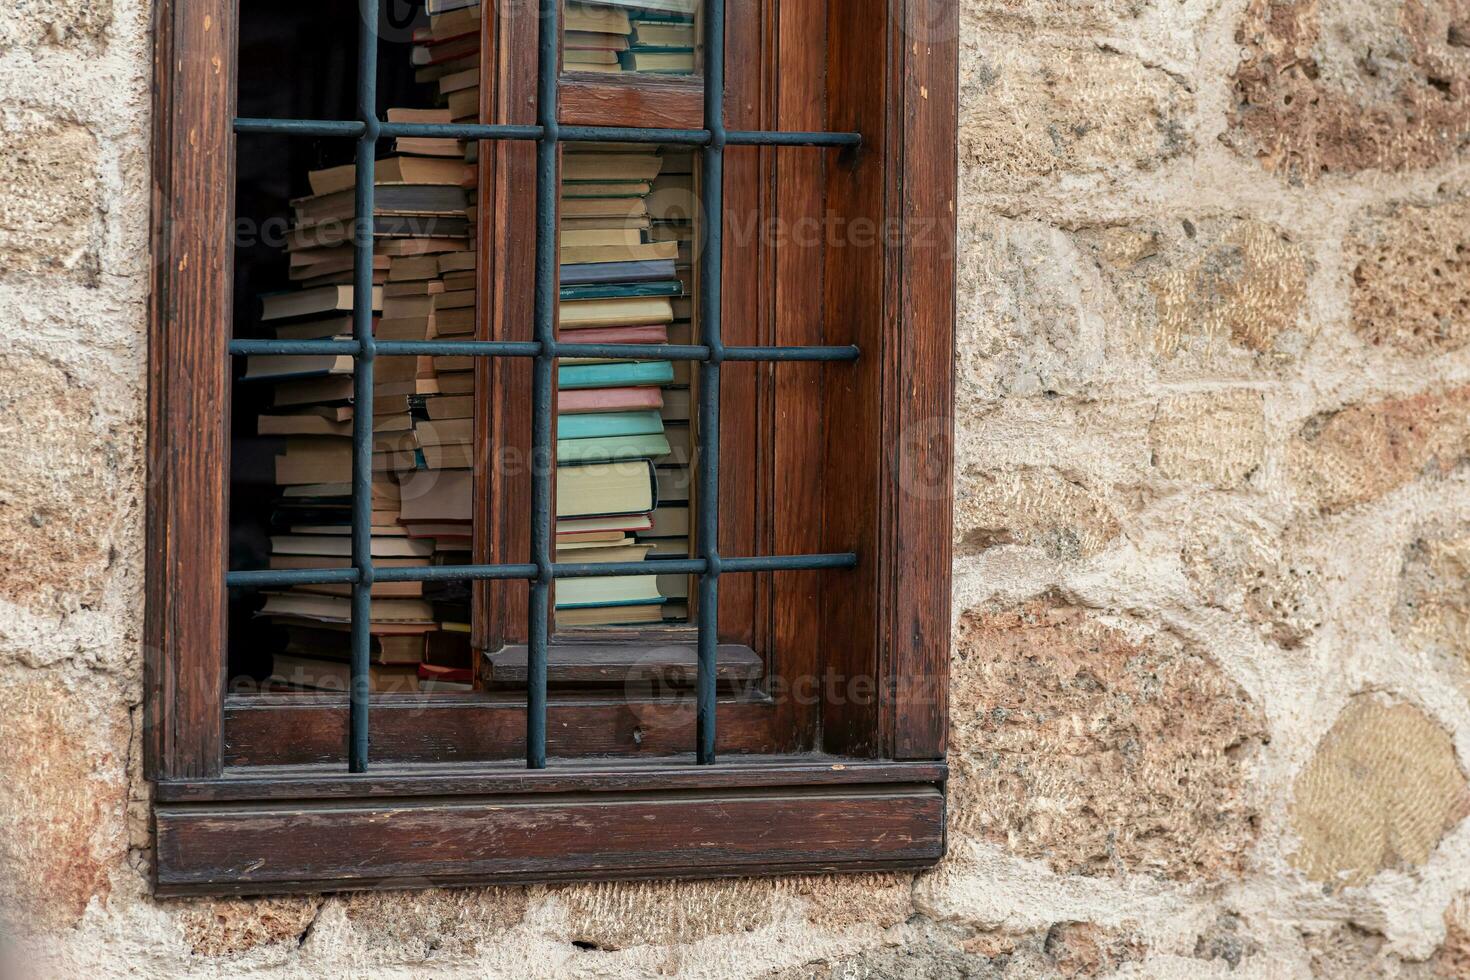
(293, 829)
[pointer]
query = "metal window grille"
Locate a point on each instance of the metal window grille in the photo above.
(544, 349)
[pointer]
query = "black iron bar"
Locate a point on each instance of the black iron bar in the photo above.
(543, 438)
(712, 205)
(510, 348)
(275, 578)
(360, 683)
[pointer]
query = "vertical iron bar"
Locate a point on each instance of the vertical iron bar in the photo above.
(362, 386)
(712, 202)
(542, 445)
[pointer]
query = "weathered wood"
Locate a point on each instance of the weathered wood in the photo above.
(665, 101)
(920, 449)
(267, 730)
(624, 664)
(193, 198)
(513, 778)
(341, 845)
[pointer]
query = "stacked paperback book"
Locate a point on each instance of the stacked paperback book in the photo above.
(650, 36)
(623, 443)
(424, 287)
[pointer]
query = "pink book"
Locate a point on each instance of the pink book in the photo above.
(656, 334)
(609, 400)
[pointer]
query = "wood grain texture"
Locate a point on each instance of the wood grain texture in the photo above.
(855, 303)
(585, 776)
(193, 197)
(267, 730)
(335, 846)
(668, 102)
(623, 663)
(922, 452)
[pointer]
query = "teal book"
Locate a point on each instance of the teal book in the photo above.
(626, 290)
(629, 374)
(609, 448)
(597, 425)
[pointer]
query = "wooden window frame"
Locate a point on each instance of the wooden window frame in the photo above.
(251, 795)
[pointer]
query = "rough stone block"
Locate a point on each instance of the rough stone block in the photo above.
(63, 793)
(63, 23)
(1411, 276)
(1255, 570)
(1207, 295)
(1099, 753)
(1339, 88)
(1033, 508)
(412, 926)
(1364, 451)
(232, 926)
(1033, 314)
(1382, 789)
(1215, 439)
(618, 915)
(1433, 608)
(1030, 113)
(49, 199)
(65, 459)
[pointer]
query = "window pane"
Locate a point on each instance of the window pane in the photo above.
(624, 439)
(655, 37)
(293, 416)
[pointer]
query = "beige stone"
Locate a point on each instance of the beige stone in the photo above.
(1343, 87)
(1433, 608)
(1030, 113)
(1364, 451)
(1411, 277)
(853, 901)
(618, 915)
(64, 458)
(1257, 571)
(1452, 959)
(48, 201)
(1208, 294)
(1382, 789)
(66, 23)
(1215, 439)
(63, 794)
(1032, 319)
(1035, 508)
(411, 925)
(232, 926)
(1097, 752)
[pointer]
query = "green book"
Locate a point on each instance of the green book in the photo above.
(610, 448)
(629, 374)
(600, 424)
(628, 290)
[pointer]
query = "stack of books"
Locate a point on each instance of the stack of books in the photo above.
(619, 285)
(424, 288)
(652, 36)
(446, 54)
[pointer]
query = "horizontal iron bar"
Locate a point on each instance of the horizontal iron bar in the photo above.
(566, 134)
(460, 131)
(846, 352)
(455, 573)
(508, 348)
(302, 127)
(769, 138)
(271, 578)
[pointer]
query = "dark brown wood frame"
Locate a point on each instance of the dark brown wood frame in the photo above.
(251, 795)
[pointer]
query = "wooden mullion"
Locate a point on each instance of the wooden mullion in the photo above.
(194, 186)
(918, 642)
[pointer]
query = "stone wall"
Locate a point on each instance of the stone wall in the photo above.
(1212, 579)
